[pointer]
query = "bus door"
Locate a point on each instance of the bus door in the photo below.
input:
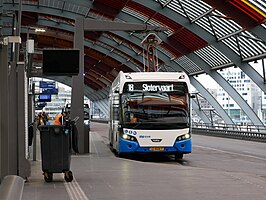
(115, 119)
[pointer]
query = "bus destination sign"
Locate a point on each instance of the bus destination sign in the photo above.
(152, 87)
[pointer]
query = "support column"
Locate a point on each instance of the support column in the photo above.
(23, 163)
(13, 112)
(1, 14)
(4, 113)
(77, 95)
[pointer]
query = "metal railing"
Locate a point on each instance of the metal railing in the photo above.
(237, 131)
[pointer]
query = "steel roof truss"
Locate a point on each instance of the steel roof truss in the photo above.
(238, 47)
(263, 69)
(63, 6)
(200, 113)
(185, 12)
(212, 28)
(202, 15)
(123, 60)
(231, 34)
(252, 38)
(208, 96)
(164, 4)
(103, 106)
(125, 48)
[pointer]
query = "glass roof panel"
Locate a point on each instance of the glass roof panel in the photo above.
(190, 66)
(134, 14)
(175, 6)
(231, 42)
(222, 26)
(194, 8)
(205, 24)
(251, 47)
(212, 56)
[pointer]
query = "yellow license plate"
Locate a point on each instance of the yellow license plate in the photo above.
(157, 149)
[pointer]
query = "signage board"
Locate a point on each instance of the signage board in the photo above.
(49, 91)
(45, 98)
(47, 84)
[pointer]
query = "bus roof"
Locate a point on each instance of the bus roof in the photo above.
(153, 76)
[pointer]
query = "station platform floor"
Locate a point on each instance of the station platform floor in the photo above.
(100, 175)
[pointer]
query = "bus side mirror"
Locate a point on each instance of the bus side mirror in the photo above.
(193, 96)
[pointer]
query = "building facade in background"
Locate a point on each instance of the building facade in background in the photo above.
(246, 88)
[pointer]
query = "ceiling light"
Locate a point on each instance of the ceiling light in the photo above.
(40, 30)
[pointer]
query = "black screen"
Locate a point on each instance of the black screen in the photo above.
(60, 62)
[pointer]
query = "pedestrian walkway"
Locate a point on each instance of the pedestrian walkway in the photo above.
(37, 189)
(101, 175)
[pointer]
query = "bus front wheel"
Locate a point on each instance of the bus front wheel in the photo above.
(178, 156)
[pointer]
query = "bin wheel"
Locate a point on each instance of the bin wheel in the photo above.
(68, 176)
(48, 176)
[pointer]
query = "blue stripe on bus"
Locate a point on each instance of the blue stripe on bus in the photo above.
(126, 146)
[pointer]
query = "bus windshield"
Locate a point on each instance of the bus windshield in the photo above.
(157, 108)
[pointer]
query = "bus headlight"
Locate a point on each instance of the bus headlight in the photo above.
(187, 135)
(129, 137)
(124, 136)
(87, 122)
(183, 137)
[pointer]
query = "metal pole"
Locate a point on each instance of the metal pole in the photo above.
(211, 118)
(263, 68)
(13, 127)
(77, 94)
(34, 142)
(228, 97)
(4, 112)
(1, 65)
(1, 14)
(23, 163)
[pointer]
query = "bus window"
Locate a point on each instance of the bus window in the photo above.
(162, 109)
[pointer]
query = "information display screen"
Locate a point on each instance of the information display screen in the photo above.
(155, 87)
(60, 62)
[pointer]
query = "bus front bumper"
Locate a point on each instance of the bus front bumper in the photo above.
(184, 146)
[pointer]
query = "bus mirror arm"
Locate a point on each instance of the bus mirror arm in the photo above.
(193, 95)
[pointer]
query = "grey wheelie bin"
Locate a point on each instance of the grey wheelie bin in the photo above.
(56, 145)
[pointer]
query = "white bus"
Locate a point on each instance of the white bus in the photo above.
(150, 112)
